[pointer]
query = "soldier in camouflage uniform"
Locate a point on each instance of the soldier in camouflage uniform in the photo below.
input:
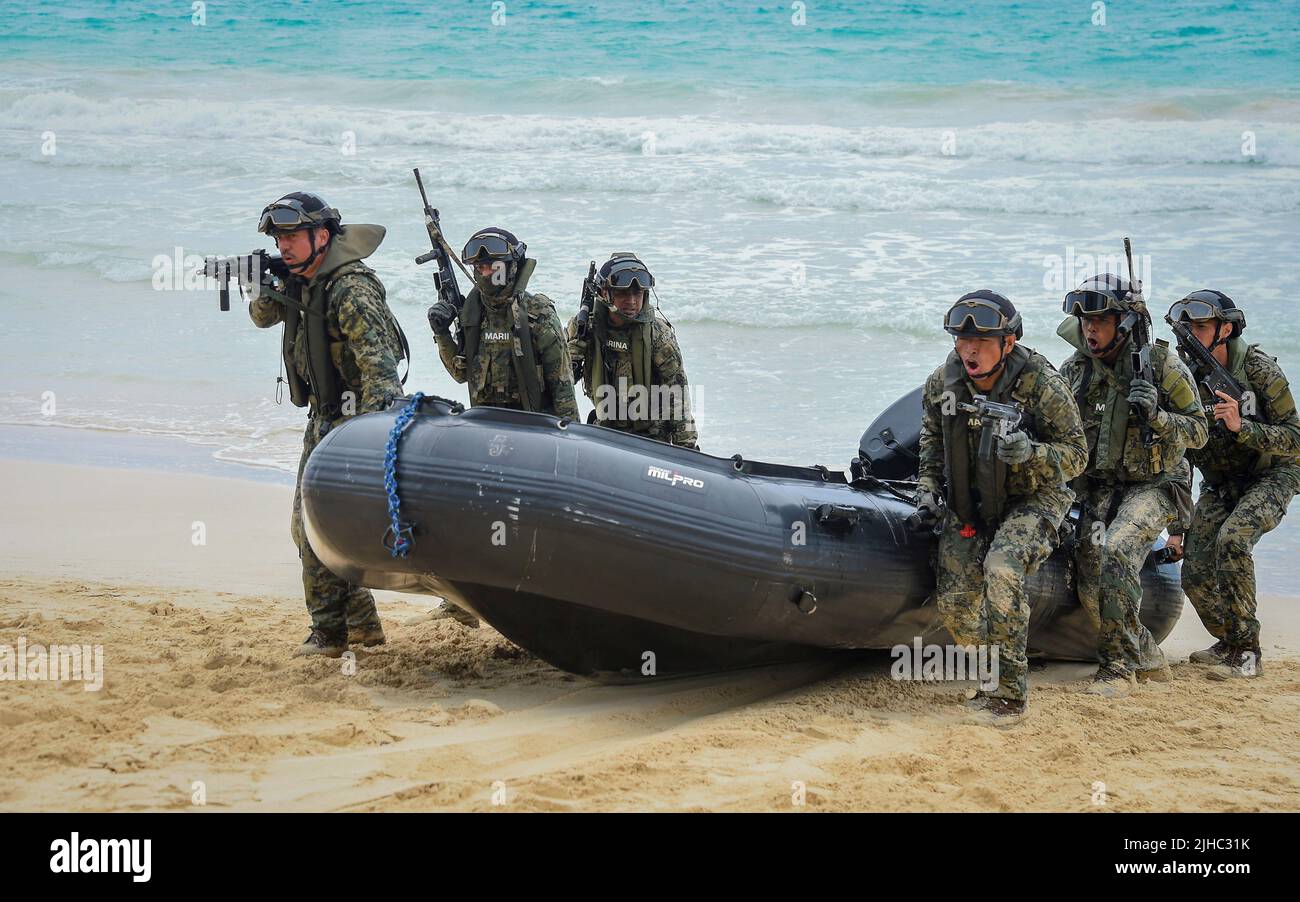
(631, 352)
(511, 350)
(1129, 492)
(1250, 471)
(1002, 513)
(341, 348)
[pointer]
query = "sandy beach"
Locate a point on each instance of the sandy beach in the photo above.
(201, 699)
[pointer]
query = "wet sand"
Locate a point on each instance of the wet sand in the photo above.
(201, 698)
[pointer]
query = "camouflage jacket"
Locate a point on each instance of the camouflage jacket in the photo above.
(1115, 450)
(1050, 419)
(491, 373)
(363, 336)
(668, 413)
(1270, 428)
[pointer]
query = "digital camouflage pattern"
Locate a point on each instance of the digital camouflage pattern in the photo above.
(1115, 451)
(980, 582)
(365, 349)
(1270, 429)
(491, 374)
(980, 586)
(363, 334)
(1128, 493)
(1059, 452)
(335, 605)
(1108, 562)
(1218, 567)
(677, 425)
(1247, 482)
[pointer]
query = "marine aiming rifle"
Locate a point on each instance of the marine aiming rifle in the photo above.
(998, 420)
(443, 256)
(1209, 372)
(264, 275)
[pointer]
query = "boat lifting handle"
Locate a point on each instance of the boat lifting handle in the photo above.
(805, 601)
(837, 517)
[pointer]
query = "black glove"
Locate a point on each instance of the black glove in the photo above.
(441, 316)
(1142, 396)
(927, 511)
(928, 502)
(1016, 448)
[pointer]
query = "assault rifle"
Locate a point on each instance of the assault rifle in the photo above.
(442, 255)
(585, 306)
(589, 293)
(263, 273)
(997, 420)
(1137, 327)
(1209, 372)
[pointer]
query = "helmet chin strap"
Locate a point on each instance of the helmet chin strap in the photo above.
(1219, 337)
(1110, 345)
(997, 366)
(300, 268)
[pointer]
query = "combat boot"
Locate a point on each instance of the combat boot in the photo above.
(331, 645)
(978, 700)
(1111, 682)
(999, 712)
(368, 636)
(455, 612)
(1212, 655)
(1239, 663)
(1158, 674)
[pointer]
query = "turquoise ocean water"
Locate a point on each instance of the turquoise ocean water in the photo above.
(812, 184)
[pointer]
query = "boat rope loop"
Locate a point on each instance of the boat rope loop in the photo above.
(399, 537)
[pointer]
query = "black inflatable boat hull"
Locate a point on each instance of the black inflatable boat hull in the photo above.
(606, 553)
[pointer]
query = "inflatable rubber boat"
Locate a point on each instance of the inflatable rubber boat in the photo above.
(600, 551)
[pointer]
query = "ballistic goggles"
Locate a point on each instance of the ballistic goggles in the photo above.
(290, 215)
(1198, 305)
(488, 246)
(1091, 302)
(978, 315)
(628, 273)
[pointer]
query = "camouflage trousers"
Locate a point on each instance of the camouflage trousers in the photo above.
(1108, 568)
(1218, 570)
(334, 605)
(980, 587)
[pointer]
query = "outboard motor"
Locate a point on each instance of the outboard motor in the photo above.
(891, 446)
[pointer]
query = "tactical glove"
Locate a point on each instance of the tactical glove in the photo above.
(1016, 448)
(1142, 396)
(441, 315)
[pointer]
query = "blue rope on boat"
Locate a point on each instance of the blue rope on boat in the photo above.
(403, 537)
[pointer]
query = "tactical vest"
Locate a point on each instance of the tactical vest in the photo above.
(981, 497)
(522, 356)
(640, 340)
(1115, 449)
(1223, 446)
(324, 383)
